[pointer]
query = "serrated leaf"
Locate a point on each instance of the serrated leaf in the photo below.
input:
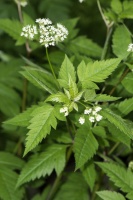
(126, 106)
(8, 179)
(85, 146)
(43, 164)
(121, 40)
(104, 98)
(116, 6)
(78, 96)
(119, 135)
(73, 89)
(66, 72)
(84, 46)
(74, 188)
(43, 118)
(40, 78)
(22, 119)
(10, 161)
(121, 177)
(109, 195)
(89, 174)
(83, 71)
(86, 84)
(58, 97)
(127, 14)
(11, 27)
(127, 82)
(119, 123)
(100, 70)
(89, 95)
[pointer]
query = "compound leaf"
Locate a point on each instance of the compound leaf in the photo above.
(44, 163)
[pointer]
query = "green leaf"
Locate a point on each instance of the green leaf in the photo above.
(73, 89)
(10, 161)
(121, 40)
(99, 131)
(66, 72)
(108, 195)
(11, 27)
(126, 106)
(43, 118)
(44, 163)
(130, 195)
(100, 70)
(58, 97)
(9, 100)
(83, 72)
(40, 78)
(116, 6)
(119, 123)
(74, 188)
(84, 46)
(119, 135)
(128, 14)
(127, 82)
(85, 146)
(8, 179)
(22, 119)
(89, 95)
(121, 177)
(104, 98)
(89, 174)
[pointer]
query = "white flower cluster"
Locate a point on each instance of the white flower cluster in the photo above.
(29, 31)
(49, 34)
(93, 115)
(130, 47)
(64, 110)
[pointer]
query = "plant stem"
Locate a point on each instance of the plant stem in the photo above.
(57, 180)
(119, 81)
(50, 65)
(69, 130)
(105, 48)
(20, 12)
(109, 31)
(113, 148)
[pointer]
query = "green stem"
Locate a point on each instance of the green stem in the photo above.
(50, 65)
(113, 148)
(105, 48)
(119, 81)
(57, 180)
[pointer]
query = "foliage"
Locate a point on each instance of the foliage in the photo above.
(66, 110)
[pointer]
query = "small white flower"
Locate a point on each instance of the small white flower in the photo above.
(66, 113)
(81, 120)
(64, 110)
(94, 112)
(91, 119)
(87, 111)
(97, 108)
(29, 31)
(98, 117)
(130, 47)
